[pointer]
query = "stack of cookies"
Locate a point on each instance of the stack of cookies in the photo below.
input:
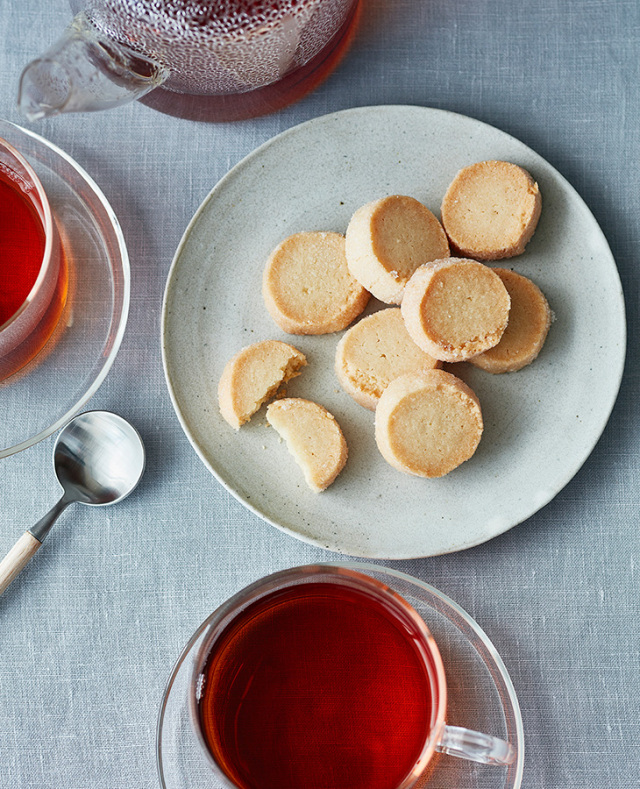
(445, 305)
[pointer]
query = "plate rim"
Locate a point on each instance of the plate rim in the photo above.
(333, 545)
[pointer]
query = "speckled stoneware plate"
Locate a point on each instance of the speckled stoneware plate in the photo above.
(540, 423)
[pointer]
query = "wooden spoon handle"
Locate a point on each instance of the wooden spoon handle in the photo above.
(17, 558)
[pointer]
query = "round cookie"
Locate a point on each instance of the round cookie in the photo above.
(254, 375)
(455, 308)
(386, 242)
(491, 210)
(428, 423)
(374, 352)
(313, 437)
(307, 287)
(529, 322)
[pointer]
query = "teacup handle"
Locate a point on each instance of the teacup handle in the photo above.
(473, 745)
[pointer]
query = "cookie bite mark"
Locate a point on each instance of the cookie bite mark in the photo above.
(307, 287)
(253, 376)
(490, 210)
(428, 423)
(374, 352)
(388, 239)
(313, 437)
(455, 308)
(526, 332)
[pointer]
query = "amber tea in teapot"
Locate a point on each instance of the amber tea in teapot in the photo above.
(200, 59)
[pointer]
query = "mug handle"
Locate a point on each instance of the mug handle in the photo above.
(475, 746)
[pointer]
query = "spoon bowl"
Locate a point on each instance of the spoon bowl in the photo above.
(99, 459)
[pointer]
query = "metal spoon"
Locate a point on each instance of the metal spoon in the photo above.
(98, 459)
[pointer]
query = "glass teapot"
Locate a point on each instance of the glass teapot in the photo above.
(200, 59)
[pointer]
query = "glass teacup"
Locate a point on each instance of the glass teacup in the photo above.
(32, 280)
(325, 676)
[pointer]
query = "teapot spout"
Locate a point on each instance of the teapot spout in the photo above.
(83, 72)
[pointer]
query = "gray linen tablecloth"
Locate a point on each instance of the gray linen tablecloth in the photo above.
(89, 634)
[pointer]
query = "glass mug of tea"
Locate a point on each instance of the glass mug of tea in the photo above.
(322, 676)
(32, 291)
(214, 60)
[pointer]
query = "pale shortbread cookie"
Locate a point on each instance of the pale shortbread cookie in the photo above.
(428, 423)
(313, 437)
(491, 210)
(307, 287)
(455, 308)
(254, 375)
(529, 322)
(386, 242)
(374, 352)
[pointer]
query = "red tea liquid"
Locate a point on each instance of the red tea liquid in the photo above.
(316, 686)
(22, 248)
(22, 243)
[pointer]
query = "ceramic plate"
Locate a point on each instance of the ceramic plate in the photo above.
(540, 423)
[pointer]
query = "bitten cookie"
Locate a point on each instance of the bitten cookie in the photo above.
(428, 423)
(307, 287)
(374, 352)
(491, 210)
(386, 242)
(313, 437)
(455, 308)
(529, 322)
(254, 375)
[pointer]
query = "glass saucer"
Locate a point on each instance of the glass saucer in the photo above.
(481, 696)
(44, 395)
